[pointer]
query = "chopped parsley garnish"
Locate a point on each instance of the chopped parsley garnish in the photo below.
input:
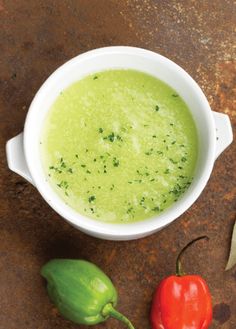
(112, 187)
(59, 171)
(157, 108)
(130, 211)
(100, 130)
(112, 137)
(116, 162)
(173, 161)
(91, 198)
(63, 184)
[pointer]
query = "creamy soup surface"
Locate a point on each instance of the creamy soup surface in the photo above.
(119, 146)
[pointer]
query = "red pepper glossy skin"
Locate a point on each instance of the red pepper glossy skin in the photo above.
(182, 302)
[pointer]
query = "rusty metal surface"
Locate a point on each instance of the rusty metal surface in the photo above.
(35, 38)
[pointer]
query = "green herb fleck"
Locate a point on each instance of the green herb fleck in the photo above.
(111, 137)
(116, 162)
(91, 198)
(130, 211)
(100, 130)
(63, 165)
(63, 184)
(112, 187)
(157, 108)
(173, 161)
(167, 171)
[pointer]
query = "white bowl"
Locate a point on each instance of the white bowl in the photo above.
(214, 134)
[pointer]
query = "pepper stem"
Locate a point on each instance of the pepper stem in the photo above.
(179, 269)
(109, 310)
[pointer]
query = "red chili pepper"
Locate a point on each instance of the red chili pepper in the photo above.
(182, 301)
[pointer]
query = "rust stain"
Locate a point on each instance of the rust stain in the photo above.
(2, 8)
(231, 195)
(226, 87)
(111, 256)
(221, 313)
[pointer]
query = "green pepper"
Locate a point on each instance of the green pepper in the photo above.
(81, 291)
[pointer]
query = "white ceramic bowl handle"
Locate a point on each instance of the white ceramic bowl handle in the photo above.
(224, 133)
(16, 157)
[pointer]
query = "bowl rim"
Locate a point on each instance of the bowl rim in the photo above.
(123, 230)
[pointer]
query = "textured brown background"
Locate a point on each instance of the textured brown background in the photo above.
(36, 37)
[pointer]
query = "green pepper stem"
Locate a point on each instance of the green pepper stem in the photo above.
(109, 310)
(179, 270)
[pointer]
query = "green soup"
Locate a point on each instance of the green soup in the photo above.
(119, 146)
